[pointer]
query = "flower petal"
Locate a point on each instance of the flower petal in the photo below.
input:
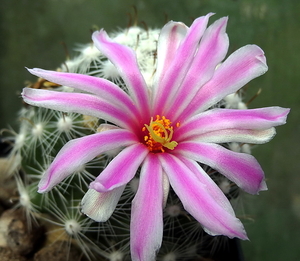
(238, 69)
(146, 226)
(210, 186)
(193, 194)
(98, 86)
(166, 187)
(241, 168)
(169, 39)
(236, 135)
(218, 119)
(79, 151)
(121, 169)
(100, 206)
(124, 59)
(80, 103)
(178, 62)
(211, 51)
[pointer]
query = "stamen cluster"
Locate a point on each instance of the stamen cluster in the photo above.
(160, 134)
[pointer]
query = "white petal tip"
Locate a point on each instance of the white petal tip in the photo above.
(89, 205)
(100, 206)
(263, 186)
(44, 186)
(42, 190)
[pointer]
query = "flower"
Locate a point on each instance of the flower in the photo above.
(165, 129)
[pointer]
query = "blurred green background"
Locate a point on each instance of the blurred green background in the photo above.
(32, 33)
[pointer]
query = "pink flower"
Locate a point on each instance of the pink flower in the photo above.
(165, 129)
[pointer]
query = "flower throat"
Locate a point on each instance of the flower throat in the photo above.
(160, 134)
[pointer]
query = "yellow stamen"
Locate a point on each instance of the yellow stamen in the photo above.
(160, 134)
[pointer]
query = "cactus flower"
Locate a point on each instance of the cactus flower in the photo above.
(165, 129)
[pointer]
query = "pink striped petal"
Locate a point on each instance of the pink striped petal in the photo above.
(124, 59)
(243, 169)
(146, 226)
(215, 219)
(121, 169)
(86, 104)
(236, 135)
(176, 66)
(211, 51)
(210, 186)
(100, 206)
(98, 86)
(79, 151)
(238, 69)
(169, 39)
(218, 119)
